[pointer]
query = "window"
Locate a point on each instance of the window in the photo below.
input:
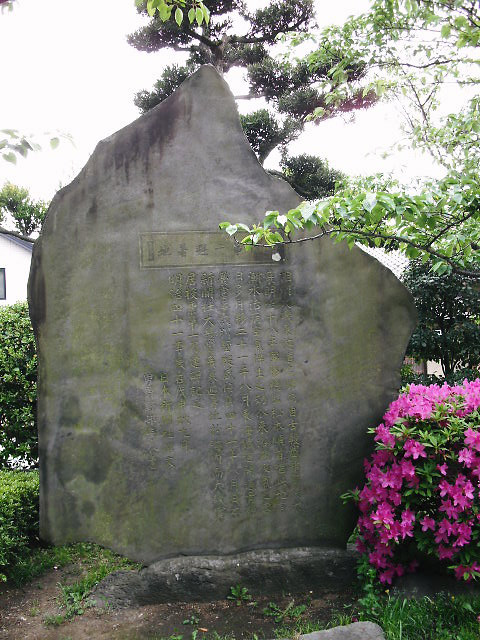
(3, 290)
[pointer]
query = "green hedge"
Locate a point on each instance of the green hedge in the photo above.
(18, 388)
(18, 516)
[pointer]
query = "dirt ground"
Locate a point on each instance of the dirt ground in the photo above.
(23, 611)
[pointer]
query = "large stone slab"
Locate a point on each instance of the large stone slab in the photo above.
(194, 399)
(204, 578)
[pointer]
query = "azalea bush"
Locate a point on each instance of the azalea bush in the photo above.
(422, 492)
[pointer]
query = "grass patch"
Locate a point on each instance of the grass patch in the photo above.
(95, 564)
(304, 626)
(92, 562)
(39, 561)
(443, 617)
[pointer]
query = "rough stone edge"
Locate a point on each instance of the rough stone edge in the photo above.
(354, 631)
(203, 578)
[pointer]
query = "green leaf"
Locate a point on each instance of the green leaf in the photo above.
(191, 15)
(151, 8)
(199, 16)
(10, 157)
(206, 13)
(178, 16)
(444, 268)
(445, 31)
(270, 219)
(165, 11)
(307, 210)
(369, 201)
(231, 229)
(276, 237)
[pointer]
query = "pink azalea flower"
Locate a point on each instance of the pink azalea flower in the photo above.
(443, 531)
(395, 497)
(377, 559)
(381, 457)
(412, 566)
(442, 468)
(386, 577)
(476, 467)
(466, 456)
(468, 489)
(384, 436)
(449, 509)
(406, 525)
(444, 553)
(392, 477)
(383, 514)
(360, 546)
(392, 533)
(460, 500)
(464, 532)
(407, 468)
(461, 571)
(427, 523)
(472, 438)
(444, 488)
(414, 449)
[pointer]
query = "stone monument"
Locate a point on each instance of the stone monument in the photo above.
(195, 399)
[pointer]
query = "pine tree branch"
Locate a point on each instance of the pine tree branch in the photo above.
(201, 38)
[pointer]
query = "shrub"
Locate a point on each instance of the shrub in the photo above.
(422, 489)
(18, 515)
(448, 309)
(18, 388)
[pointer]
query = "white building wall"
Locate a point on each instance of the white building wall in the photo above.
(434, 368)
(16, 262)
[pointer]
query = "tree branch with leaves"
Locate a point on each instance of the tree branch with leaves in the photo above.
(440, 223)
(411, 48)
(27, 215)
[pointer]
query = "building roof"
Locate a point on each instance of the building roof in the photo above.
(396, 261)
(16, 240)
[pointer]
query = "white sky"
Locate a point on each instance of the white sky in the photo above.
(66, 67)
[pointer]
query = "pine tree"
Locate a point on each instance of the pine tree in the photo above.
(237, 37)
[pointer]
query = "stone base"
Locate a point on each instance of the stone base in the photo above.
(203, 578)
